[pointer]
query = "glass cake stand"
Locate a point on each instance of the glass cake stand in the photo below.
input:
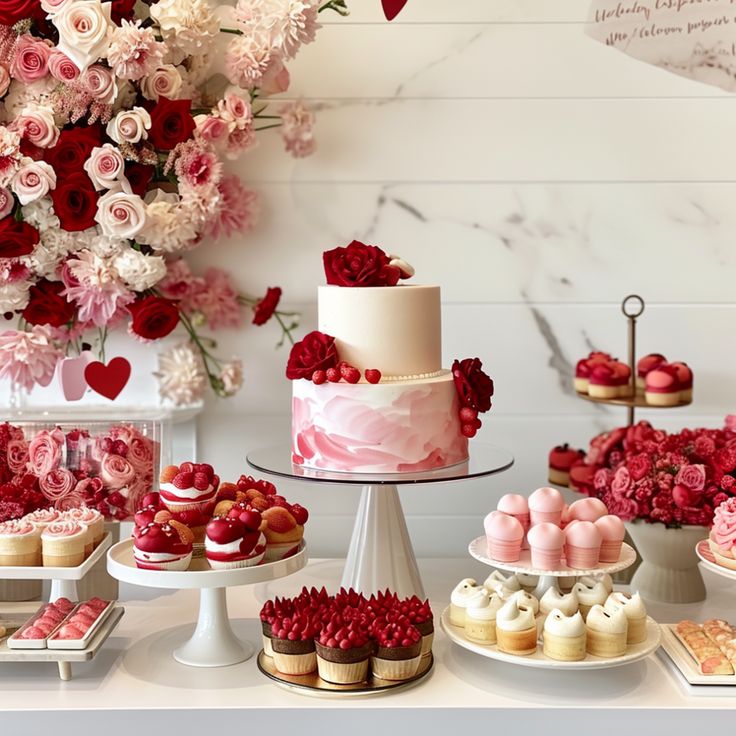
(381, 554)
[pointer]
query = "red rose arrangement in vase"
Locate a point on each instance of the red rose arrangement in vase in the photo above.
(113, 146)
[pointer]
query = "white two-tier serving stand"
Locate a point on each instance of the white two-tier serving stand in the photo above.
(381, 554)
(213, 643)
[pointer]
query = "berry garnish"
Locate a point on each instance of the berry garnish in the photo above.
(333, 375)
(183, 479)
(468, 430)
(351, 375)
(468, 415)
(201, 481)
(299, 513)
(319, 377)
(187, 467)
(372, 375)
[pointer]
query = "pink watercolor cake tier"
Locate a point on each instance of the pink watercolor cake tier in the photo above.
(369, 393)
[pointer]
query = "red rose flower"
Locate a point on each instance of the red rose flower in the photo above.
(73, 149)
(16, 238)
(171, 123)
(139, 177)
(153, 317)
(474, 386)
(316, 351)
(359, 265)
(692, 476)
(47, 306)
(11, 11)
(75, 201)
(263, 311)
(639, 466)
(122, 10)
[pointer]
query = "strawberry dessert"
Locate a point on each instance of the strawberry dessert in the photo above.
(188, 487)
(645, 365)
(561, 459)
(344, 649)
(235, 540)
(46, 620)
(294, 651)
(82, 619)
(398, 649)
(163, 545)
(584, 368)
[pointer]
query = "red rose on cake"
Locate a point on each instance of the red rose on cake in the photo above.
(315, 351)
(474, 389)
(359, 264)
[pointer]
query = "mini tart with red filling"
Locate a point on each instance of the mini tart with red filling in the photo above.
(662, 386)
(561, 459)
(398, 650)
(162, 545)
(188, 487)
(344, 649)
(645, 365)
(294, 650)
(235, 541)
(583, 370)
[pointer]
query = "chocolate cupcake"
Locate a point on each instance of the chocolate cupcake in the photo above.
(398, 652)
(343, 652)
(292, 640)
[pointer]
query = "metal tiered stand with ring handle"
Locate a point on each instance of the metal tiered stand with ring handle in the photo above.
(381, 554)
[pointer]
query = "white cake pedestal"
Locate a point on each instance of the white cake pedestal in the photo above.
(213, 643)
(381, 554)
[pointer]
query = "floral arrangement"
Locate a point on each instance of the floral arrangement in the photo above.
(109, 471)
(644, 473)
(114, 134)
(474, 390)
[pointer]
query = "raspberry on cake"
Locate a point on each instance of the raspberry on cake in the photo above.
(294, 651)
(343, 650)
(235, 540)
(192, 488)
(398, 650)
(561, 459)
(162, 546)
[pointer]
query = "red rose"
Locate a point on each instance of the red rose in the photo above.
(16, 238)
(73, 149)
(474, 386)
(692, 476)
(316, 351)
(122, 10)
(359, 265)
(153, 317)
(171, 123)
(11, 11)
(139, 177)
(263, 311)
(75, 201)
(47, 306)
(639, 466)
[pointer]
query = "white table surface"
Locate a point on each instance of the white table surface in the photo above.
(134, 681)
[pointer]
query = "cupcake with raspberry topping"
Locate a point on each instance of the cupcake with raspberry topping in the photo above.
(189, 487)
(163, 545)
(294, 650)
(398, 650)
(235, 540)
(344, 649)
(420, 615)
(271, 611)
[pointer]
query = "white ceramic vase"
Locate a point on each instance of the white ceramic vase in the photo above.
(669, 571)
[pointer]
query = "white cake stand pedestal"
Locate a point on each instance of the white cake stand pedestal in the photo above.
(213, 643)
(381, 554)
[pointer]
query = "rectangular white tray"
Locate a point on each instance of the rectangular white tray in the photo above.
(26, 644)
(685, 664)
(39, 572)
(82, 643)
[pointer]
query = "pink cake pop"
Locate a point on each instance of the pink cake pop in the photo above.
(582, 545)
(546, 541)
(546, 504)
(503, 535)
(587, 509)
(612, 533)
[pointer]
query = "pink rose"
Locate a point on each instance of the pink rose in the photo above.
(625, 508)
(105, 166)
(36, 124)
(235, 109)
(34, 180)
(31, 59)
(4, 79)
(140, 455)
(639, 466)
(101, 84)
(621, 482)
(61, 67)
(17, 452)
(116, 471)
(57, 484)
(692, 476)
(44, 451)
(91, 490)
(7, 202)
(601, 479)
(72, 500)
(211, 128)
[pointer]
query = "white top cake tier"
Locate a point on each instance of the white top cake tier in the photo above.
(397, 330)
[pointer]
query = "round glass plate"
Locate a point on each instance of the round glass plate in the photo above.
(484, 460)
(634, 652)
(314, 685)
(702, 548)
(478, 548)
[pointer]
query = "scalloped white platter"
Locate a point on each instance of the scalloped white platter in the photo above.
(634, 652)
(709, 561)
(478, 549)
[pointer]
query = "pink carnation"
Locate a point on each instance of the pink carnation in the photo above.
(197, 164)
(28, 357)
(218, 301)
(296, 129)
(238, 210)
(134, 52)
(180, 283)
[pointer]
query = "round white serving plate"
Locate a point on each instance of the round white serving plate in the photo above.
(634, 652)
(478, 548)
(702, 548)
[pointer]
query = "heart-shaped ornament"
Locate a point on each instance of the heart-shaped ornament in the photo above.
(108, 380)
(391, 8)
(71, 375)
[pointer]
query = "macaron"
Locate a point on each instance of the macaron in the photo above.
(504, 535)
(546, 541)
(546, 504)
(582, 545)
(612, 533)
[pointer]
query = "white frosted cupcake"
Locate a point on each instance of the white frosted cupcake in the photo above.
(527, 582)
(590, 596)
(94, 521)
(524, 599)
(516, 629)
(566, 603)
(480, 618)
(607, 632)
(589, 581)
(564, 636)
(63, 543)
(497, 581)
(20, 543)
(464, 593)
(636, 614)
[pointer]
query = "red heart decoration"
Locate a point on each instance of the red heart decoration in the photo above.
(391, 8)
(108, 380)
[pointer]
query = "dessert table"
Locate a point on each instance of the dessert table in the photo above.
(135, 683)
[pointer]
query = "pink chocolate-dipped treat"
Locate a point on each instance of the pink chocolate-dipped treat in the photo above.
(582, 545)
(612, 535)
(516, 505)
(546, 504)
(546, 541)
(586, 509)
(685, 379)
(648, 363)
(504, 535)
(662, 387)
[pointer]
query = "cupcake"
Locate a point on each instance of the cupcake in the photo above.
(545, 505)
(294, 650)
(564, 636)
(645, 365)
(526, 581)
(606, 632)
(420, 615)
(502, 584)
(516, 629)
(462, 595)
(62, 544)
(546, 542)
(233, 542)
(722, 537)
(586, 509)
(561, 459)
(162, 546)
(584, 368)
(553, 599)
(480, 618)
(398, 651)
(343, 651)
(20, 543)
(588, 597)
(43, 517)
(622, 373)
(189, 487)
(604, 381)
(504, 535)
(284, 531)
(685, 380)
(662, 386)
(612, 532)
(590, 581)
(582, 545)
(516, 505)
(93, 520)
(636, 614)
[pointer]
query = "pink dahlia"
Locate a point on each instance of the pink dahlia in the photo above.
(238, 210)
(28, 358)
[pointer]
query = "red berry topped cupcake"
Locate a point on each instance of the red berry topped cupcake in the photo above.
(561, 459)
(294, 651)
(398, 649)
(191, 486)
(344, 648)
(163, 545)
(235, 540)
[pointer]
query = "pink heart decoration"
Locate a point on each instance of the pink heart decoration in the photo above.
(391, 8)
(71, 375)
(108, 380)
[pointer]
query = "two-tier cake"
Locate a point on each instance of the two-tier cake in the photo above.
(369, 390)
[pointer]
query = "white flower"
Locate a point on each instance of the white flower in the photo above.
(188, 26)
(169, 227)
(120, 214)
(20, 95)
(41, 215)
(140, 272)
(231, 376)
(181, 375)
(10, 155)
(14, 295)
(33, 180)
(106, 246)
(164, 81)
(84, 28)
(134, 51)
(130, 126)
(105, 166)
